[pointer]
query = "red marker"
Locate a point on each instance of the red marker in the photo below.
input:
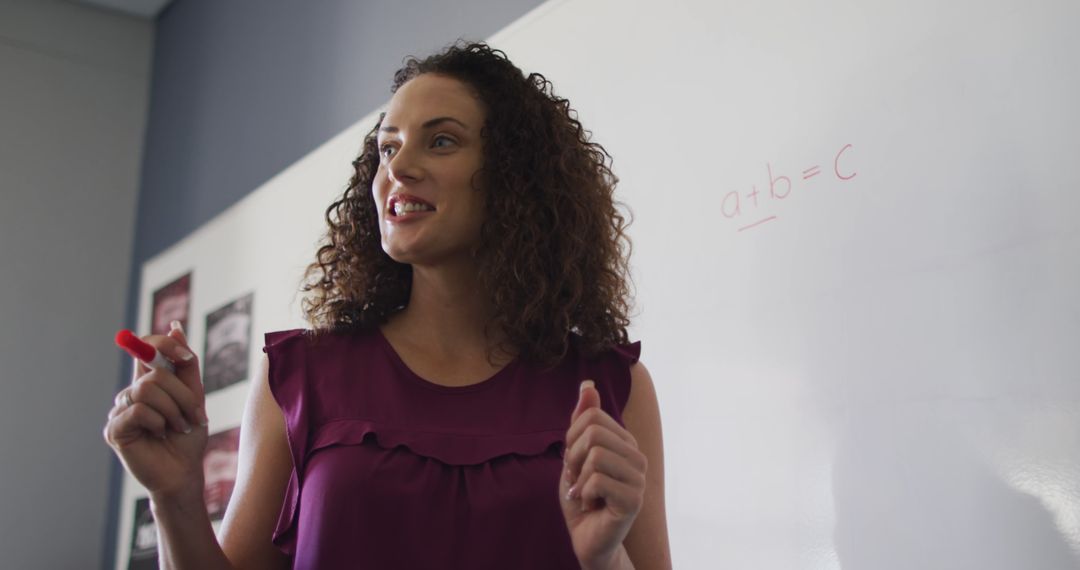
(143, 351)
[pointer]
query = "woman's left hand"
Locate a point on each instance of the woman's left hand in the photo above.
(604, 475)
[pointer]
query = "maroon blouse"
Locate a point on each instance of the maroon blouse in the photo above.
(393, 471)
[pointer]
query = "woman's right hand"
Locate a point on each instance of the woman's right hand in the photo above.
(157, 426)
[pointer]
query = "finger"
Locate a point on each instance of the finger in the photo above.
(119, 404)
(134, 423)
(117, 410)
(150, 390)
(188, 401)
(588, 398)
(176, 330)
(184, 360)
(601, 490)
(596, 416)
(138, 370)
(628, 466)
(599, 448)
(119, 401)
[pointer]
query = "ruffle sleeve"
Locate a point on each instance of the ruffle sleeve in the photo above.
(286, 374)
(629, 353)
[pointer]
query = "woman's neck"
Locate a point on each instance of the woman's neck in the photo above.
(447, 312)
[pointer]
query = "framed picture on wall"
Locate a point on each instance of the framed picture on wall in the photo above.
(219, 470)
(228, 339)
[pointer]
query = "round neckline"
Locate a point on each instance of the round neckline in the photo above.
(417, 379)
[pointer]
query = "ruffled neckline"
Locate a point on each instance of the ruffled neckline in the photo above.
(408, 374)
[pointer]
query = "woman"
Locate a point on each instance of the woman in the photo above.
(473, 278)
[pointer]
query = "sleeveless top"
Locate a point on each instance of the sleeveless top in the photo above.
(393, 471)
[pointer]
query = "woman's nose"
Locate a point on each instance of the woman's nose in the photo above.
(404, 166)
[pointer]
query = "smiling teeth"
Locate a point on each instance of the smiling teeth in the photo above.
(406, 207)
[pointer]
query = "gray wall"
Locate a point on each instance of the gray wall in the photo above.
(73, 94)
(242, 89)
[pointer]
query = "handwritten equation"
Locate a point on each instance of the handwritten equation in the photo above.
(780, 187)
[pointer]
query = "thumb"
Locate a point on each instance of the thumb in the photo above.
(189, 375)
(176, 330)
(588, 397)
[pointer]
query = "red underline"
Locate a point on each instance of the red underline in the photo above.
(759, 222)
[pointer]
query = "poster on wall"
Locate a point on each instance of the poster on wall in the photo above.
(219, 471)
(143, 538)
(228, 337)
(171, 302)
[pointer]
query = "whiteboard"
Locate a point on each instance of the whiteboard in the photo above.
(858, 269)
(856, 263)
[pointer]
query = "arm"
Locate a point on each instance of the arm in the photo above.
(613, 486)
(647, 542)
(264, 466)
(263, 470)
(186, 539)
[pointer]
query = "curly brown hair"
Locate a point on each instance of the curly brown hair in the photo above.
(554, 255)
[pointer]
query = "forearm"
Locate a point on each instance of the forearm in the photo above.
(186, 538)
(621, 561)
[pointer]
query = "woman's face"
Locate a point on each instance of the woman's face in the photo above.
(429, 149)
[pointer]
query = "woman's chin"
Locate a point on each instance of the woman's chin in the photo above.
(406, 255)
(400, 257)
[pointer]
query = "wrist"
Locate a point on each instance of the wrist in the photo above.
(184, 498)
(620, 560)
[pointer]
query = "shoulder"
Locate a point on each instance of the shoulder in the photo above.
(273, 338)
(622, 354)
(316, 338)
(613, 367)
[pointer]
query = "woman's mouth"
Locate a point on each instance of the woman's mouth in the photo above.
(401, 207)
(404, 208)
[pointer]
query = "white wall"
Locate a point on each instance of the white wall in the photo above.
(73, 92)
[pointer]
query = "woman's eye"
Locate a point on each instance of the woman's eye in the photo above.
(387, 150)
